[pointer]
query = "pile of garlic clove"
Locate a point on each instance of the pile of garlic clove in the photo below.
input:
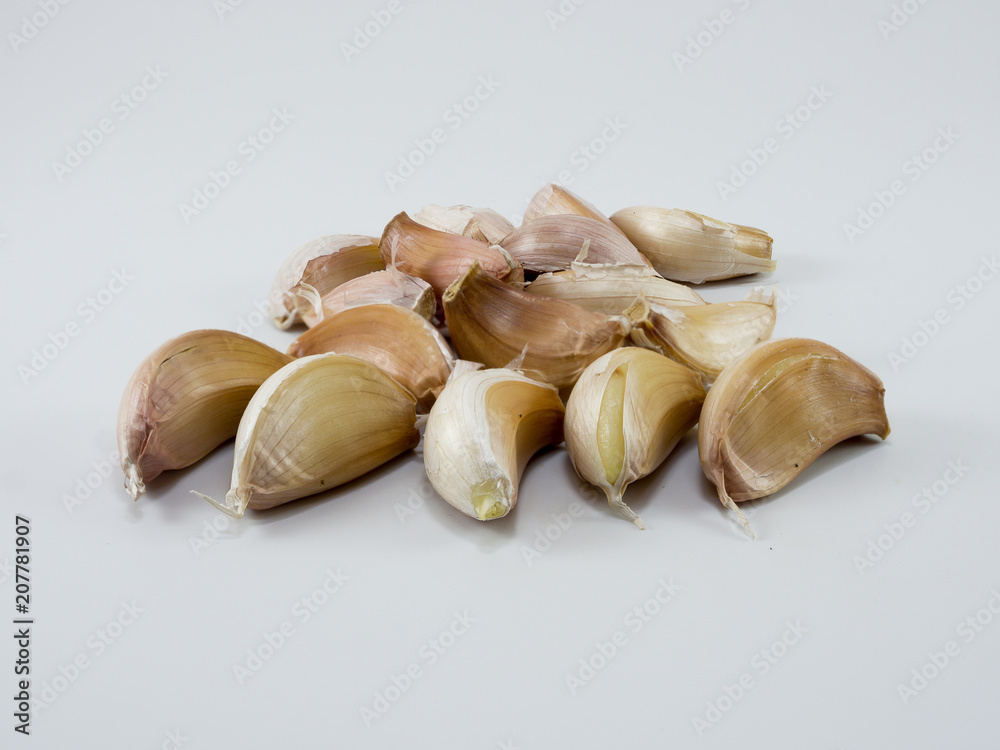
(572, 328)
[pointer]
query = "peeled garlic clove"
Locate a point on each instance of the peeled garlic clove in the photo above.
(706, 338)
(321, 265)
(396, 340)
(438, 257)
(387, 287)
(554, 199)
(480, 434)
(552, 243)
(494, 323)
(482, 224)
(685, 246)
(779, 407)
(186, 398)
(611, 289)
(317, 423)
(626, 413)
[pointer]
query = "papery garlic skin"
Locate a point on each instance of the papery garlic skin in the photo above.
(553, 200)
(481, 432)
(779, 407)
(611, 289)
(386, 287)
(553, 243)
(186, 398)
(315, 424)
(625, 415)
(482, 224)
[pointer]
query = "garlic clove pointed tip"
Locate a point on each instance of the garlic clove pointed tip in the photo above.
(231, 507)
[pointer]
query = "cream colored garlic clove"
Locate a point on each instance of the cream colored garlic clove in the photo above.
(625, 414)
(398, 341)
(387, 287)
(186, 398)
(482, 224)
(779, 407)
(554, 199)
(315, 424)
(494, 323)
(707, 337)
(320, 266)
(553, 243)
(685, 246)
(480, 434)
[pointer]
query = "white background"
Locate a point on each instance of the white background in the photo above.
(503, 683)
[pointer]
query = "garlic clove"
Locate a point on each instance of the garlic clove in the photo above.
(482, 224)
(186, 398)
(685, 246)
(554, 199)
(480, 434)
(386, 287)
(553, 243)
(625, 415)
(779, 407)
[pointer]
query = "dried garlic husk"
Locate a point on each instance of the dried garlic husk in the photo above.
(552, 243)
(319, 266)
(480, 434)
(685, 246)
(439, 257)
(626, 413)
(611, 289)
(186, 398)
(554, 199)
(398, 341)
(779, 407)
(704, 337)
(483, 224)
(387, 287)
(495, 323)
(315, 424)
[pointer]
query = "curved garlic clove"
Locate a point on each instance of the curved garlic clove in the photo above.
(494, 323)
(554, 199)
(552, 243)
(387, 287)
(315, 424)
(321, 265)
(482, 224)
(707, 337)
(685, 246)
(778, 408)
(611, 289)
(625, 414)
(438, 257)
(480, 434)
(186, 398)
(398, 341)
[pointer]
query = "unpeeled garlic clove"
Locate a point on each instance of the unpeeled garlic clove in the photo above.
(625, 414)
(398, 341)
(386, 287)
(320, 266)
(611, 289)
(315, 424)
(685, 246)
(778, 408)
(439, 257)
(186, 398)
(480, 434)
(704, 337)
(554, 199)
(482, 224)
(494, 323)
(552, 243)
